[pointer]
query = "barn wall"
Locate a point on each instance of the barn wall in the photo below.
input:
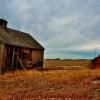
(26, 50)
(1, 55)
(37, 56)
(96, 63)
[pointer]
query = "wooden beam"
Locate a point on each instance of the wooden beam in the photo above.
(4, 60)
(8, 52)
(4, 56)
(13, 58)
(20, 61)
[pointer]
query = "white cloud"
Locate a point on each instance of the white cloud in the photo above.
(91, 46)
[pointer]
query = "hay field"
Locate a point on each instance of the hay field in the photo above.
(66, 64)
(83, 84)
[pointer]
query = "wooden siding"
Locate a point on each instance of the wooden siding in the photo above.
(37, 56)
(14, 57)
(1, 55)
(96, 63)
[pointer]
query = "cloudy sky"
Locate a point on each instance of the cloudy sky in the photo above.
(66, 28)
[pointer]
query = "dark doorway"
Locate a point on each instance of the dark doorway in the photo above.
(16, 58)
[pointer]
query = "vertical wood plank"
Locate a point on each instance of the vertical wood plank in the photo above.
(13, 58)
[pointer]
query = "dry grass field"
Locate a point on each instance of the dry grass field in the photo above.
(82, 84)
(66, 64)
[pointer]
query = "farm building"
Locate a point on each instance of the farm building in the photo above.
(18, 50)
(96, 62)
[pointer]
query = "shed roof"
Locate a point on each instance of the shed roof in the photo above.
(98, 57)
(18, 38)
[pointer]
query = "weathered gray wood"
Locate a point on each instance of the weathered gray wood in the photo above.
(20, 61)
(1, 56)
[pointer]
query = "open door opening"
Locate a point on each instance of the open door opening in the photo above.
(16, 58)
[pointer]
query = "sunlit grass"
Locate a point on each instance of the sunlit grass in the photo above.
(53, 74)
(51, 83)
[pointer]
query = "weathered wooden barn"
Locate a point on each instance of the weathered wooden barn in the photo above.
(96, 62)
(18, 50)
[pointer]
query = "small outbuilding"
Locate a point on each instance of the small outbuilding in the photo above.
(18, 50)
(96, 62)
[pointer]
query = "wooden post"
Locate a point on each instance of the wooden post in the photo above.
(13, 58)
(4, 61)
(4, 56)
(8, 52)
(20, 61)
